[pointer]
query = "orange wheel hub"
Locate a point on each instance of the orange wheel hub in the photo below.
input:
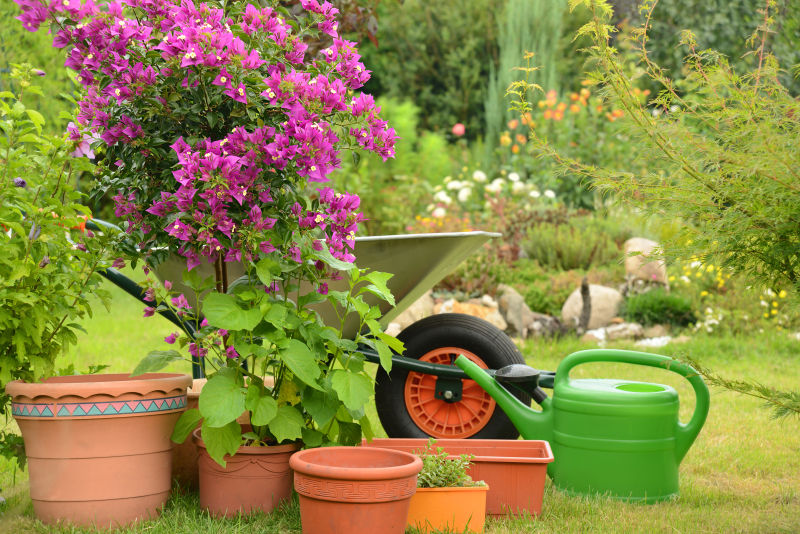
(442, 419)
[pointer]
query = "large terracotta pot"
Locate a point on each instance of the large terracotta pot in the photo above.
(254, 479)
(354, 489)
(98, 446)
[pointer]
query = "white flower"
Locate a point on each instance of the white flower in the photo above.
(437, 188)
(499, 182)
(549, 194)
(656, 112)
(447, 179)
(517, 187)
(494, 187)
(535, 194)
(442, 197)
(479, 176)
(455, 184)
(439, 212)
(674, 108)
(514, 177)
(763, 303)
(464, 194)
(430, 207)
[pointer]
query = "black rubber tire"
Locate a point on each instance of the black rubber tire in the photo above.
(475, 335)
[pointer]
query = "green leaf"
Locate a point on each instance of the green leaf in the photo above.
(187, 422)
(222, 440)
(223, 311)
(268, 270)
(335, 263)
(262, 407)
(320, 405)
(288, 424)
(378, 286)
(349, 433)
(156, 360)
(222, 399)
(312, 438)
(301, 361)
(276, 314)
(366, 428)
(353, 389)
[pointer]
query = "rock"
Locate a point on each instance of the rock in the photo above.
(594, 336)
(422, 308)
(624, 331)
(521, 320)
(657, 330)
(660, 341)
(605, 306)
(641, 266)
(617, 320)
(680, 339)
(487, 313)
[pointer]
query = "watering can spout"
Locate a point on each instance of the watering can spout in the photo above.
(531, 424)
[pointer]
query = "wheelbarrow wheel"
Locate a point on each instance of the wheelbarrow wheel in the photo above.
(405, 399)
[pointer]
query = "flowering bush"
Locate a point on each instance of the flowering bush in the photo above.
(48, 265)
(213, 120)
(218, 127)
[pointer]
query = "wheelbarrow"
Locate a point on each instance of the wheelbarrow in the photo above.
(424, 394)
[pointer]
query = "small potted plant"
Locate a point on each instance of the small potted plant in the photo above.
(447, 498)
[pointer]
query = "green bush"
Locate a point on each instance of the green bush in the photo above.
(658, 307)
(579, 244)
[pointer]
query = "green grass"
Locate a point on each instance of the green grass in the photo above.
(741, 475)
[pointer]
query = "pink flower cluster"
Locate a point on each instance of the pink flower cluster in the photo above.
(276, 120)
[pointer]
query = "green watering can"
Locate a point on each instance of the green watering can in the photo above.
(614, 437)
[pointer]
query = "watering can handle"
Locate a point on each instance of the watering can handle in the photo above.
(686, 432)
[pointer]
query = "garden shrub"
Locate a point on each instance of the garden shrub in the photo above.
(577, 245)
(658, 307)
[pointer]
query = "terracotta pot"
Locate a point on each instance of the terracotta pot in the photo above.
(98, 446)
(353, 489)
(254, 479)
(184, 455)
(514, 469)
(448, 509)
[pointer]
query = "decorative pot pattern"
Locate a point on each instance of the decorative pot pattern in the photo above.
(348, 489)
(98, 446)
(254, 479)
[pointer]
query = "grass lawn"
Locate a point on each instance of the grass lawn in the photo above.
(741, 475)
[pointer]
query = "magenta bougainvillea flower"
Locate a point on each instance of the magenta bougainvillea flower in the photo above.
(216, 124)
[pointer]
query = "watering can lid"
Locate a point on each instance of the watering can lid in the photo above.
(616, 392)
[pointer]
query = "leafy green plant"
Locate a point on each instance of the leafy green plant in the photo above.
(658, 307)
(440, 470)
(569, 246)
(49, 264)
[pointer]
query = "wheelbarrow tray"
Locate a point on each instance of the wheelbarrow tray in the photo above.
(416, 261)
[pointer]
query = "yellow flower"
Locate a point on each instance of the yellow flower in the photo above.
(698, 274)
(782, 294)
(766, 315)
(774, 312)
(672, 278)
(710, 268)
(703, 293)
(774, 304)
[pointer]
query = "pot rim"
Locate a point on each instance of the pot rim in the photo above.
(303, 463)
(249, 449)
(458, 489)
(113, 384)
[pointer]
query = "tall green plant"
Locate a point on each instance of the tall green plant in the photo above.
(729, 143)
(525, 26)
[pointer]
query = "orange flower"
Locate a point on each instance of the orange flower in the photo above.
(551, 94)
(515, 149)
(561, 106)
(574, 108)
(618, 113)
(646, 92)
(574, 96)
(512, 124)
(599, 109)
(542, 103)
(521, 139)
(585, 93)
(505, 139)
(610, 117)
(548, 114)
(558, 115)
(586, 82)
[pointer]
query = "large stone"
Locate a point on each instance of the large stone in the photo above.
(640, 263)
(423, 307)
(522, 321)
(488, 313)
(605, 306)
(624, 331)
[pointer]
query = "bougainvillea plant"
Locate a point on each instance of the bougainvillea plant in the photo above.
(216, 130)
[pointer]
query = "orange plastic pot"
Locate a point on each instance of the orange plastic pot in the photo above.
(354, 489)
(98, 446)
(254, 479)
(515, 470)
(448, 509)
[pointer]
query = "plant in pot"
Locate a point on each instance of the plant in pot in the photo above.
(447, 498)
(84, 465)
(214, 122)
